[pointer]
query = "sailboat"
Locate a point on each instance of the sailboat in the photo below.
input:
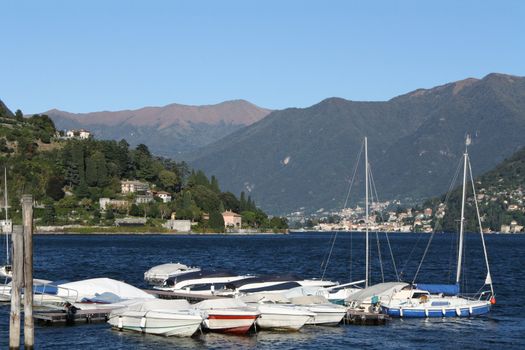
(445, 300)
(342, 294)
(6, 227)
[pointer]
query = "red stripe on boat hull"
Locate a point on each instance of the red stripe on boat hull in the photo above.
(231, 317)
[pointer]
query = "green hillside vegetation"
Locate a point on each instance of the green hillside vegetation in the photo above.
(501, 198)
(68, 177)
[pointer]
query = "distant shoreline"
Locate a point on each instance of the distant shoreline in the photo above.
(138, 230)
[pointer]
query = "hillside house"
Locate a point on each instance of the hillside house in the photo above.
(143, 198)
(133, 186)
(106, 203)
(165, 196)
(232, 219)
(78, 134)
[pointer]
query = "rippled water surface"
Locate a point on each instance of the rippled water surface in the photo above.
(126, 257)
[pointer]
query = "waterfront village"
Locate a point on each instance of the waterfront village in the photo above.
(141, 193)
(391, 216)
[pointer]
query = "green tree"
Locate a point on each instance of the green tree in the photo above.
(82, 191)
(230, 202)
(216, 221)
(214, 184)
(54, 188)
(168, 180)
(243, 205)
(19, 115)
(110, 215)
(134, 210)
(49, 215)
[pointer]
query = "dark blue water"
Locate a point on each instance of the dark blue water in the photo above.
(126, 257)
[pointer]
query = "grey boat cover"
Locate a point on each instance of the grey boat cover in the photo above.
(380, 289)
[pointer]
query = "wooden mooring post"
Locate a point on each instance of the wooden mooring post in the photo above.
(22, 260)
(29, 322)
(17, 284)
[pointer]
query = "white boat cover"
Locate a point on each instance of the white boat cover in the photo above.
(380, 289)
(90, 288)
(165, 269)
(309, 300)
(159, 305)
(300, 291)
(276, 298)
(226, 303)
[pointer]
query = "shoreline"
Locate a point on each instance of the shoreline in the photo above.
(138, 230)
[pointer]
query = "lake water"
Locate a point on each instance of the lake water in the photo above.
(126, 257)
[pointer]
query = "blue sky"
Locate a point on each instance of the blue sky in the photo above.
(92, 55)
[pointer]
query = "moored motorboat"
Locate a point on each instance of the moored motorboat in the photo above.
(277, 313)
(227, 315)
(326, 313)
(201, 282)
(160, 273)
(160, 317)
(272, 284)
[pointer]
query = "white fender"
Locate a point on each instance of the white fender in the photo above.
(470, 310)
(444, 312)
(119, 322)
(143, 322)
(458, 311)
(426, 312)
(400, 312)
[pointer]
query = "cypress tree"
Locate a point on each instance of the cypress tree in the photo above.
(216, 221)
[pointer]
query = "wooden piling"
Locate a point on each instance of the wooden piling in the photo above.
(29, 322)
(17, 284)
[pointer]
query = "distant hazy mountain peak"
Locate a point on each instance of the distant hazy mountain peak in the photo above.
(167, 130)
(236, 112)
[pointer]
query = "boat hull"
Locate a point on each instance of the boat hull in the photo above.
(420, 312)
(157, 323)
(229, 323)
(281, 317)
(281, 321)
(326, 317)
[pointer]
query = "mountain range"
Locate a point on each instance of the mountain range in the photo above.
(302, 159)
(168, 130)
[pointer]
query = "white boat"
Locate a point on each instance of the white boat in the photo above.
(6, 271)
(227, 315)
(326, 313)
(277, 313)
(201, 282)
(445, 300)
(160, 273)
(160, 317)
(283, 317)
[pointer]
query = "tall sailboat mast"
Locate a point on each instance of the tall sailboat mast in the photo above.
(366, 213)
(6, 217)
(462, 221)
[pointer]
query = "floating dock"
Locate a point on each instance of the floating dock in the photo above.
(54, 317)
(360, 317)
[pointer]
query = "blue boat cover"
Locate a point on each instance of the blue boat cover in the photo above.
(446, 289)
